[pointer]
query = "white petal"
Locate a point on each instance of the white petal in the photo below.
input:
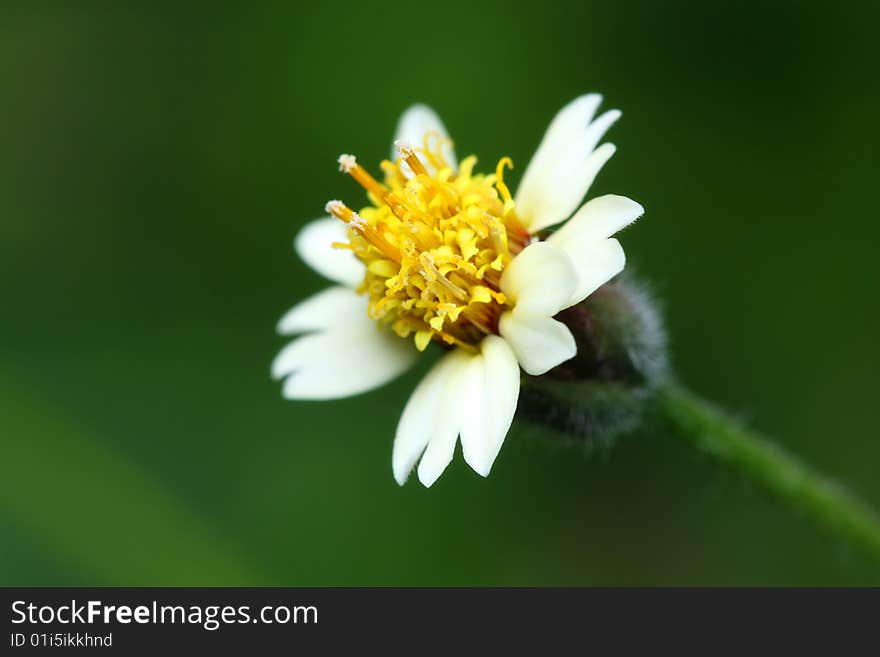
(416, 122)
(596, 263)
(597, 219)
(503, 379)
(342, 362)
(334, 307)
(473, 418)
(429, 417)
(440, 450)
(314, 242)
(565, 164)
(539, 280)
(540, 343)
(489, 393)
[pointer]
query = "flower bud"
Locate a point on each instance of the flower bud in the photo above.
(606, 388)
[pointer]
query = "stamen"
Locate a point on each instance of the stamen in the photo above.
(346, 162)
(357, 222)
(499, 182)
(435, 274)
(334, 207)
(499, 237)
(359, 225)
(409, 155)
(479, 320)
(403, 148)
(433, 148)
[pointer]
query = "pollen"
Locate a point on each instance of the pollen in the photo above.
(434, 242)
(346, 162)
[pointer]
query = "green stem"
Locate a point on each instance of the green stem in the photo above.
(709, 429)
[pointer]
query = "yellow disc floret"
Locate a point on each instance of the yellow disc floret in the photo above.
(434, 242)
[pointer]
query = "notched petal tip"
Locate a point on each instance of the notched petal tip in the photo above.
(427, 476)
(583, 108)
(598, 159)
(565, 164)
(401, 473)
(601, 124)
(482, 469)
(490, 392)
(597, 219)
(632, 208)
(276, 369)
(332, 307)
(335, 363)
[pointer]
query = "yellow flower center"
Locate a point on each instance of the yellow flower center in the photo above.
(434, 244)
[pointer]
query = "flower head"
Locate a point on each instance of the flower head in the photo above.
(443, 254)
(434, 243)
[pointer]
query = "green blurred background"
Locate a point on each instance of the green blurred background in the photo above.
(157, 160)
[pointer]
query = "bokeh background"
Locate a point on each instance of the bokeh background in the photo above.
(156, 161)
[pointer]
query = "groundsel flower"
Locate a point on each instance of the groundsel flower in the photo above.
(445, 255)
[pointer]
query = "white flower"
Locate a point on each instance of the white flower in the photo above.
(446, 255)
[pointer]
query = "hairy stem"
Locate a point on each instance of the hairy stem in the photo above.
(712, 431)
